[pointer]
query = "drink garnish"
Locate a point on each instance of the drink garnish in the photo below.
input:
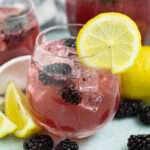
(70, 93)
(58, 69)
(109, 40)
(49, 80)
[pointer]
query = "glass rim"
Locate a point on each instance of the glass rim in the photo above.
(53, 28)
(26, 13)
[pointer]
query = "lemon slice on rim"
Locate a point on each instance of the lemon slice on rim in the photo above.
(6, 126)
(16, 110)
(111, 40)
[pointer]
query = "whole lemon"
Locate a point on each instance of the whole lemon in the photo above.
(135, 82)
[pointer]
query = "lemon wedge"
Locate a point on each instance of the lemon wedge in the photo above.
(109, 40)
(16, 109)
(6, 126)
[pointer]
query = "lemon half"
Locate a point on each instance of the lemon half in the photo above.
(135, 82)
(111, 40)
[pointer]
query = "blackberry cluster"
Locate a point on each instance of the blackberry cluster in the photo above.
(67, 145)
(58, 69)
(129, 108)
(139, 142)
(70, 43)
(48, 80)
(45, 142)
(145, 115)
(70, 93)
(38, 142)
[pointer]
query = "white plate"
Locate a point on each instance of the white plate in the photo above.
(16, 70)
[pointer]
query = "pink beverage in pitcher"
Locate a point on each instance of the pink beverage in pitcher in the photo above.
(80, 11)
(18, 30)
(66, 97)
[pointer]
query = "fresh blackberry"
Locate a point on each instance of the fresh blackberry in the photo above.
(129, 108)
(70, 93)
(145, 115)
(48, 80)
(70, 43)
(38, 142)
(139, 142)
(58, 69)
(67, 145)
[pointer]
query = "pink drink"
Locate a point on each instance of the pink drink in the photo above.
(80, 11)
(18, 31)
(74, 102)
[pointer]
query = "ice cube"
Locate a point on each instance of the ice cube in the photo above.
(88, 80)
(109, 83)
(92, 101)
(76, 68)
(63, 52)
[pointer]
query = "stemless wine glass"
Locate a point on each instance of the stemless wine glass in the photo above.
(66, 97)
(81, 11)
(18, 29)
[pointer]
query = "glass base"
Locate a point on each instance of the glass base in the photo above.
(68, 134)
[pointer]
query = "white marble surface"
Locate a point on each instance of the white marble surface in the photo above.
(112, 137)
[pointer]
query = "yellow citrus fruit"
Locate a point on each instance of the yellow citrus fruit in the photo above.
(16, 109)
(6, 126)
(1, 104)
(111, 39)
(135, 82)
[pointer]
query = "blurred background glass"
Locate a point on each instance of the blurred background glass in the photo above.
(18, 29)
(52, 12)
(80, 11)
